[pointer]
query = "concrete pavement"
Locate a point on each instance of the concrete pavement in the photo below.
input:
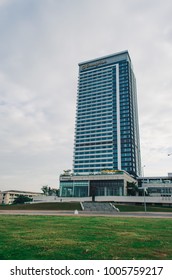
(86, 213)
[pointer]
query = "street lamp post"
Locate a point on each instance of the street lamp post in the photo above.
(144, 188)
(144, 199)
(143, 170)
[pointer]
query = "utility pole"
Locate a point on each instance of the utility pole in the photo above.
(144, 188)
(144, 200)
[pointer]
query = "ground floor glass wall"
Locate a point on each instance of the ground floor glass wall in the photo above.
(107, 187)
(74, 189)
(90, 188)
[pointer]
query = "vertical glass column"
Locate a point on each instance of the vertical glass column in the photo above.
(118, 118)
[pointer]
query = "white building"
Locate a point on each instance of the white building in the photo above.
(157, 186)
(7, 197)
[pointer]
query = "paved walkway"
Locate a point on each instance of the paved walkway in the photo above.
(82, 213)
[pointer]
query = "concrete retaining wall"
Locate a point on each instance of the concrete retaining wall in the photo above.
(118, 199)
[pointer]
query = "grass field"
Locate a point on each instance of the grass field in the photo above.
(85, 238)
(140, 208)
(43, 206)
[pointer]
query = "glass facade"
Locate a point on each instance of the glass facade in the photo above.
(107, 187)
(74, 188)
(156, 186)
(107, 135)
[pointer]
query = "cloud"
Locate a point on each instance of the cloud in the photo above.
(4, 2)
(41, 44)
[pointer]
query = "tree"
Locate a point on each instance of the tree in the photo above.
(93, 193)
(57, 192)
(21, 199)
(50, 191)
(45, 190)
(132, 189)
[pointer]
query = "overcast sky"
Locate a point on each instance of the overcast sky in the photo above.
(41, 44)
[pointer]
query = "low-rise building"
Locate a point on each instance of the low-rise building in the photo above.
(113, 186)
(7, 197)
(107, 183)
(157, 186)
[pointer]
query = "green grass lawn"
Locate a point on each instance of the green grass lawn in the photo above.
(43, 206)
(76, 205)
(85, 238)
(140, 208)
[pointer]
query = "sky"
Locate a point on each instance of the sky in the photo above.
(41, 44)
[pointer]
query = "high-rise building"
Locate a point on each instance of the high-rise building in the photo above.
(107, 131)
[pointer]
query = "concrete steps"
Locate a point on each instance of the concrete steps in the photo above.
(104, 207)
